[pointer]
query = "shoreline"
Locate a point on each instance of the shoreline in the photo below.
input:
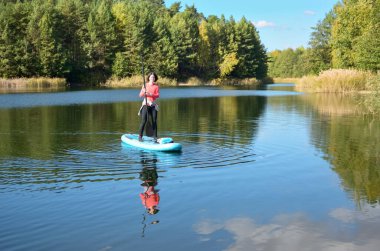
(329, 81)
(131, 82)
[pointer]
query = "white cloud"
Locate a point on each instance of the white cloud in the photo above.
(263, 23)
(298, 232)
(309, 12)
(207, 227)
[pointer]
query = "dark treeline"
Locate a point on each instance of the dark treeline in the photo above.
(89, 41)
(348, 37)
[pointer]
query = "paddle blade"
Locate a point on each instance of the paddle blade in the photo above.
(149, 128)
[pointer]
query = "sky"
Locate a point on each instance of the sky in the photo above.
(281, 24)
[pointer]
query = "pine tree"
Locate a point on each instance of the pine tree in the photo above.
(251, 53)
(51, 56)
(185, 34)
(90, 40)
(136, 19)
(13, 46)
(102, 36)
(227, 47)
(74, 15)
(320, 43)
(163, 58)
(120, 66)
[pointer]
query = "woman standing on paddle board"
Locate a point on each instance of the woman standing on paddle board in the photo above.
(150, 92)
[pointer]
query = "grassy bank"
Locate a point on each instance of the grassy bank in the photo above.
(339, 81)
(346, 82)
(23, 83)
(130, 82)
(286, 80)
(136, 81)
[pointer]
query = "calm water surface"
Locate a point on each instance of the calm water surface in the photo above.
(260, 170)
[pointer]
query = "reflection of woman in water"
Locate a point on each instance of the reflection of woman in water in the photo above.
(150, 197)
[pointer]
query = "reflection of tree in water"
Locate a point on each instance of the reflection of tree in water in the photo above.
(352, 145)
(150, 197)
(83, 133)
(50, 130)
(230, 116)
(44, 132)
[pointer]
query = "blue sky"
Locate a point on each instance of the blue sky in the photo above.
(281, 23)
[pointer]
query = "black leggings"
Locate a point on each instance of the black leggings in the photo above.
(153, 115)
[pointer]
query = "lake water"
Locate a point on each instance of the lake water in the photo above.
(260, 170)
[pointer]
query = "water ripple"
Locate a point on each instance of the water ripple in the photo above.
(73, 167)
(213, 150)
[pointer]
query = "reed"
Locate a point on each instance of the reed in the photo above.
(286, 80)
(372, 99)
(338, 104)
(336, 80)
(194, 81)
(16, 83)
(136, 81)
(236, 81)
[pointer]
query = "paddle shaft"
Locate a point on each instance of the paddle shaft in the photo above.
(147, 124)
(143, 76)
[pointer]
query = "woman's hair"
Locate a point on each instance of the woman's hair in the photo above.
(154, 74)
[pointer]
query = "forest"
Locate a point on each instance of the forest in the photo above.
(347, 38)
(90, 41)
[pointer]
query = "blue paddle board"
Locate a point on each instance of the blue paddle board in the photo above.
(163, 144)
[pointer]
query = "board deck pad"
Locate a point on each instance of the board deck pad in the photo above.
(163, 144)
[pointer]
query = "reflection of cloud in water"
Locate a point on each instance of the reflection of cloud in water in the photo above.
(367, 213)
(346, 230)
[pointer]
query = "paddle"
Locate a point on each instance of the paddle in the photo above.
(148, 124)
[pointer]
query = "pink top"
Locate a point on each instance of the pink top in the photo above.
(150, 200)
(153, 92)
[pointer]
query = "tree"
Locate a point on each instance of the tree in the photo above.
(120, 66)
(102, 41)
(230, 61)
(245, 39)
(174, 8)
(208, 56)
(135, 19)
(185, 34)
(320, 44)
(283, 63)
(74, 16)
(90, 40)
(14, 19)
(50, 52)
(163, 58)
(352, 20)
(367, 48)
(227, 47)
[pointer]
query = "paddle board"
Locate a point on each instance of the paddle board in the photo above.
(163, 144)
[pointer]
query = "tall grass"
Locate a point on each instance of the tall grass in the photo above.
(194, 81)
(242, 82)
(234, 81)
(335, 103)
(136, 81)
(346, 81)
(372, 99)
(32, 82)
(336, 80)
(286, 80)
